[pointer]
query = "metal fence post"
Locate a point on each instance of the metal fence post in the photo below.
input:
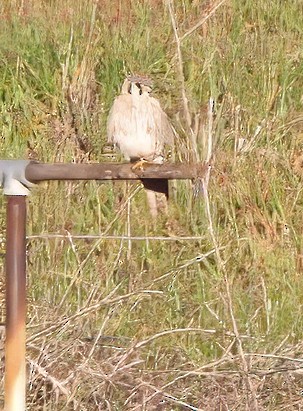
(15, 379)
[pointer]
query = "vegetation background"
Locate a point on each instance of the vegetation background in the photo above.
(210, 322)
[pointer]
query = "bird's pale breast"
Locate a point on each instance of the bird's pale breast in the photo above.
(134, 128)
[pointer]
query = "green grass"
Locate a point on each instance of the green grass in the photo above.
(61, 65)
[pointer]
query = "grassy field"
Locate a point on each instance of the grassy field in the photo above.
(209, 323)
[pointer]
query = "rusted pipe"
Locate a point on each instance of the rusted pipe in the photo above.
(15, 381)
(35, 172)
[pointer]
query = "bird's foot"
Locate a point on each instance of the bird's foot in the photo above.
(141, 165)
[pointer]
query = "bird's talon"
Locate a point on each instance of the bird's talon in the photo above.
(140, 165)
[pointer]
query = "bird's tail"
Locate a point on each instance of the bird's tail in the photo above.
(157, 185)
(157, 195)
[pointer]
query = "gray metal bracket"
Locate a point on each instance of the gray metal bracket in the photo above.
(12, 177)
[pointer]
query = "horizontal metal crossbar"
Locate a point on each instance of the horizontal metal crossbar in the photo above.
(35, 172)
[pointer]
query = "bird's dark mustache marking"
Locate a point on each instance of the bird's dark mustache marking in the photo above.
(137, 85)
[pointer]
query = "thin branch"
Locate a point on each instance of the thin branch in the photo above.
(57, 385)
(108, 300)
(110, 237)
(251, 395)
(273, 356)
(186, 374)
(80, 268)
(171, 10)
(185, 330)
(202, 21)
(175, 270)
(221, 265)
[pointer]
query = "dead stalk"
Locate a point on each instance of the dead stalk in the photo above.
(79, 270)
(58, 386)
(251, 394)
(128, 227)
(186, 110)
(202, 21)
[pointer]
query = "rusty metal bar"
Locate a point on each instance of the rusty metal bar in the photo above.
(15, 380)
(112, 171)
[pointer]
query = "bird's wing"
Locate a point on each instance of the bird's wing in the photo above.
(164, 130)
(118, 122)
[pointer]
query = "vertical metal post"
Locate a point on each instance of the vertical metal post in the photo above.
(15, 380)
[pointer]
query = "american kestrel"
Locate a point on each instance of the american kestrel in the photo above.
(138, 126)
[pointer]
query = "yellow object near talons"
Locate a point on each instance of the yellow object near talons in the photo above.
(141, 165)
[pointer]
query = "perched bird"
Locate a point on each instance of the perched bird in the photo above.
(138, 126)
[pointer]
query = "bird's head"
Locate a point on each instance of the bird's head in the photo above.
(136, 85)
